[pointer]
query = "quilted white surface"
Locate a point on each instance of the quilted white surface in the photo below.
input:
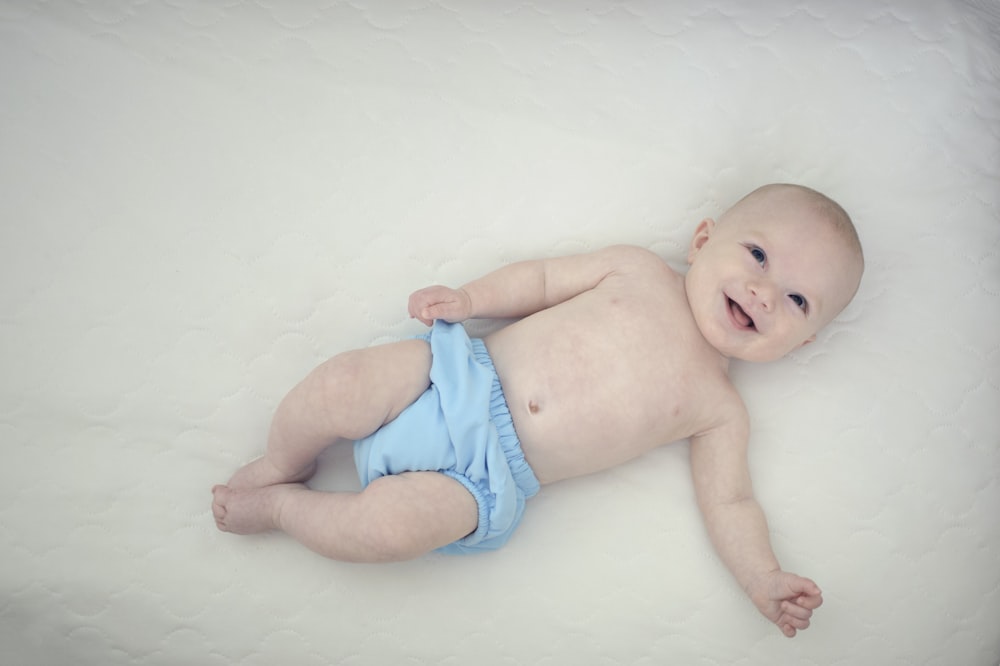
(201, 201)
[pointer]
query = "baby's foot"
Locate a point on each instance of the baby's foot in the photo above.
(249, 510)
(262, 472)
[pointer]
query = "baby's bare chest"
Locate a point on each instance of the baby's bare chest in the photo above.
(623, 376)
(592, 392)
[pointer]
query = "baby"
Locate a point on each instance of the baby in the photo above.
(613, 354)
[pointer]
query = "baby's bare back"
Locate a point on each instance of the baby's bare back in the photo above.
(610, 374)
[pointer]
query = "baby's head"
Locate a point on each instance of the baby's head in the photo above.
(772, 271)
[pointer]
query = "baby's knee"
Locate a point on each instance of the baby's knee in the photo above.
(405, 516)
(346, 365)
(334, 381)
(383, 545)
(386, 534)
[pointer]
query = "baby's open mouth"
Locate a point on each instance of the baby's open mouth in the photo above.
(740, 316)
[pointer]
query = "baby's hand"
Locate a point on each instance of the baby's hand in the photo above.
(786, 599)
(430, 303)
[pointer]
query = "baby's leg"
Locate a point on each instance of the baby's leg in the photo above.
(393, 518)
(350, 396)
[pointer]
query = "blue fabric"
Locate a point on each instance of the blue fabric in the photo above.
(460, 426)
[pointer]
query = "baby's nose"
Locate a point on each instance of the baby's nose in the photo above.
(763, 295)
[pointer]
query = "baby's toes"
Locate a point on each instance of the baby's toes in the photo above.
(219, 496)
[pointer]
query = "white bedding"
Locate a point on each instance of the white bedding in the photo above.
(201, 201)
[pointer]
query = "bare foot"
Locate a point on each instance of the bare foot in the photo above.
(249, 510)
(261, 472)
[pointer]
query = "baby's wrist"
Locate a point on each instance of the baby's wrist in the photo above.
(758, 585)
(464, 295)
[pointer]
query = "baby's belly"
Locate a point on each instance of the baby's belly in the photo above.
(561, 440)
(589, 394)
(574, 424)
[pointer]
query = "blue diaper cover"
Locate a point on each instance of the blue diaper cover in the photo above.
(460, 426)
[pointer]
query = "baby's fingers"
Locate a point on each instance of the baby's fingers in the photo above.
(793, 618)
(451, 305)
(791, 626)
(424, 303)
(446, 310)
(810, 601)
(422, 315)
(795, 611)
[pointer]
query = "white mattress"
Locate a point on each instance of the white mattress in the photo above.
(200, 202)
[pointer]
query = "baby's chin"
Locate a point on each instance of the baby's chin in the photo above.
(755, 353)
(761, 355)
(758, 358)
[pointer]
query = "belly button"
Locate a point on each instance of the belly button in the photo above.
(533, 407)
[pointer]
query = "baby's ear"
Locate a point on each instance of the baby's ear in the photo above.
(701, 235)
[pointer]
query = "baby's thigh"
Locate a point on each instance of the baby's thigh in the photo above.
(370, 387)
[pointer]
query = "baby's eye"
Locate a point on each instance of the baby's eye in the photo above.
(799, 301)
(758, 254)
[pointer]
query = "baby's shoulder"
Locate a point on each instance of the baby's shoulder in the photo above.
(638, 263)
(726, 410)
(632, 254)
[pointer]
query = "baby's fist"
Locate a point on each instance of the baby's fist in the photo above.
(786, 599)
(438, 302)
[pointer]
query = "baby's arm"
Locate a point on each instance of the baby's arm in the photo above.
(520, 289)
(738, 529)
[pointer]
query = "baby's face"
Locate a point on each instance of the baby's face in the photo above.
(760, 286)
